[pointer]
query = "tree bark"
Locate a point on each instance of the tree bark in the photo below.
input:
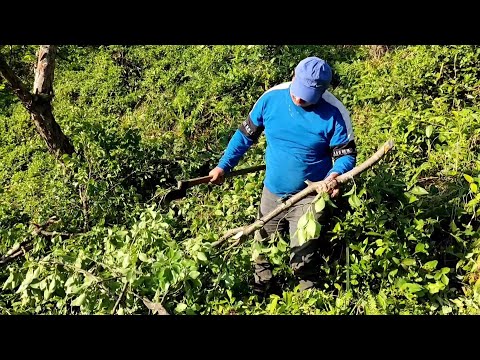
(377, 51)
(39, 104)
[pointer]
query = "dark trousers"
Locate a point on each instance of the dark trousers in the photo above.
(304, 259)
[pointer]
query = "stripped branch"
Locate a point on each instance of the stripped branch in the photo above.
(319, 186)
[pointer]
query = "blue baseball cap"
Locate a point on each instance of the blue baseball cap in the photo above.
(312, 77)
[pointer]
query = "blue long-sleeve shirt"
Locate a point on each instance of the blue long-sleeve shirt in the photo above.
(301, 142)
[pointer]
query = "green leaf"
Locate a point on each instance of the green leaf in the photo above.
(446, 309)
(431, 265)
(27, 281)
(434, 288)
(401, 283)
(418, 190)
(382, 299)
(126, 261)
(354, 201)
(444, 279)
(181, 307)
(412, 287)
(130, 275)
(46, 294)
(273, 305)
(420, 248)
(438, 275)
(143, 257)
(282, 245)
(408, 262)
(429, 130)
(392, 273)
(312, 229)
(337, 228)
(194, 274)
(320, 205)
(453, 227)
(302, 222)
(468, 178)
(380, 251)
(255, 254)
(331, 203)
(201, 256)
(122, 233)
(79, 300)
(473, 188)
(51, 287)
(351, 191)
(8, 281)
(477, 285)
(218, 212)
(302, 236)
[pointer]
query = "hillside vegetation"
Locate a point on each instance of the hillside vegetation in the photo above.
(403, 239)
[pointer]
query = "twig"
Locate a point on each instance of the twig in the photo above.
(429, 178)
(54, 233)
(120, 298)
(84, 198)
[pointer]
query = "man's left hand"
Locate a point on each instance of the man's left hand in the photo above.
(335, 190)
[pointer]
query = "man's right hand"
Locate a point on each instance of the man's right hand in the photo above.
(217, 175)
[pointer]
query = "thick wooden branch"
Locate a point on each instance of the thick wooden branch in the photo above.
(26, 245)
(39, 104)
(15, 252)
(45, 70)
(16, 84)
(319, 187)
(41, 112)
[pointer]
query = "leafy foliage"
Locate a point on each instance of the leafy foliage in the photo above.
(403, 238)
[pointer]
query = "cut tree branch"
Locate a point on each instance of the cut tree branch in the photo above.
(319, 186)
(26, 245)
(15, 252)
(16, 84)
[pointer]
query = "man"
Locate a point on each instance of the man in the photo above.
(309, 136)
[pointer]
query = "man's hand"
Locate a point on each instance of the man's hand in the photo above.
(335, 190)
(217, 175)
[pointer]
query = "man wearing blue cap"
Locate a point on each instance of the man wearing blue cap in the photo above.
(309, 137)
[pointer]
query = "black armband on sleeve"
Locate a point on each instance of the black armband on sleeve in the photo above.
(250, 130)
(344, 149)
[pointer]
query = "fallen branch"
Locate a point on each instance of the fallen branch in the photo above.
(319, 186)
(40, 229)
(15, 251)
(26, 245)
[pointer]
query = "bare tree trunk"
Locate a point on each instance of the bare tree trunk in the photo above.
(39, 103)
(377, 51)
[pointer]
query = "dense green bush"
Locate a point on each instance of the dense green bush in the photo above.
(403, 239)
